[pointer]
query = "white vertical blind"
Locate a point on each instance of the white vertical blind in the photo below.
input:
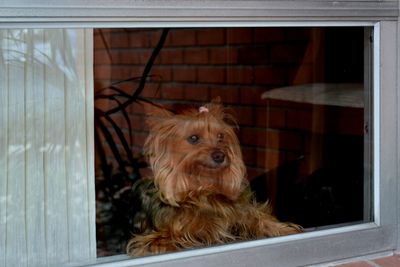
(47, 208)
(35, 155)
(3, 152)
(15, 197)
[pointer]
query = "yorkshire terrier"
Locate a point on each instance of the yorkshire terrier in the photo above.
(199, 194)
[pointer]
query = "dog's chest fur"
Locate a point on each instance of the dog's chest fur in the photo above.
(208, 219)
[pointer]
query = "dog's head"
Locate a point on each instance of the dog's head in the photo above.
(194, 152)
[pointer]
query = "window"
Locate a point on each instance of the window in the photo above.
(47, 122)
(297, 95)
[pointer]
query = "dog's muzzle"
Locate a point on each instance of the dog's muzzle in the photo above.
(218, 156)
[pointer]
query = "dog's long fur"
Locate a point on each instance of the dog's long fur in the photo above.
(199, 193)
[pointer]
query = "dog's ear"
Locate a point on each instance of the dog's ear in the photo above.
(155, 113)
(217, 109)
(152, 109)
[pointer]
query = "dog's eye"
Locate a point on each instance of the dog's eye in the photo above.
(193, 139)
(220, 137)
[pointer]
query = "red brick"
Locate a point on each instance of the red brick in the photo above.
(195, 56)
(228, 95)
(128, 87)
(181, 37)
(356, 264)
(269, 76)
(252, 136)
(239, 36)
(136, 108)
(161, 73)
(139, 138)
(252, 95)
(154, 37)
(100, 84)
(136, 72)
(129, 40)
(120, 120)
(268, 35)
(271, 118)
(119, 73)
(392, 261)
(223, 55)
(102, 57)
(125, 72)
(211, 37)
(100, 42)
(181, 74)
(172, 92)
(171, 56)
(131, 57)
(137, 122)
(287, 53)
(251, 55)
(151, 90)
(102, 72)
(211, 75)
(240, 75)
(274, 139)
(102, 104)
(196, 92)
(139, 39)
(243, 115)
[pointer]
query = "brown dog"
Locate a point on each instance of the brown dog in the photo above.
(199, 193)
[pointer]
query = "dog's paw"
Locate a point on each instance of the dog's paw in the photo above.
(277, 228)
(154, 243)
(290, 228)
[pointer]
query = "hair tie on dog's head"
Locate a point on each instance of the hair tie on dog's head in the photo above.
(203, 109)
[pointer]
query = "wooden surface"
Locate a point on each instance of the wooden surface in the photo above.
(343, 95)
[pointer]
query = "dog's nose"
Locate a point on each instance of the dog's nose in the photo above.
(218, 156)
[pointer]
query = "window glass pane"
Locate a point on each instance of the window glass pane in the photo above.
(299, 95)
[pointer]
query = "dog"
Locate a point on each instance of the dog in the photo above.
(199, 195)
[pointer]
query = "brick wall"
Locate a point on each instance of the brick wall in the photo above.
(239, 65)
(196, 65)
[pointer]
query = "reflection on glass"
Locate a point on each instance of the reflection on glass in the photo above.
(299, 96)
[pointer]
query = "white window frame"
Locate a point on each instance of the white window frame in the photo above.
(376, 238)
